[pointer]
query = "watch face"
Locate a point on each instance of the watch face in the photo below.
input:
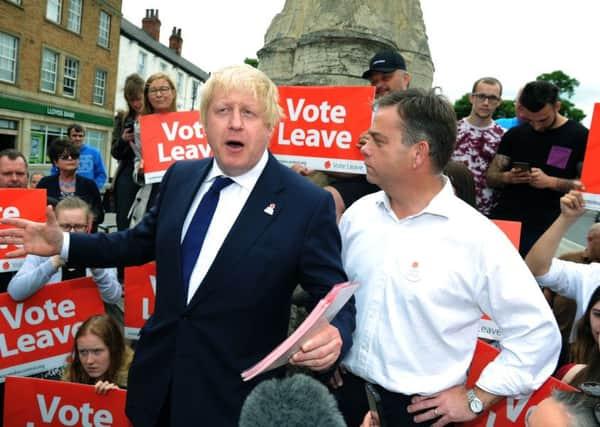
(476, 405)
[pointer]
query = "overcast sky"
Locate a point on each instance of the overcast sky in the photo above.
(513, 40)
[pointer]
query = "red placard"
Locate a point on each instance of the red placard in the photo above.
(488, 329)
(33, 402)
(590, 174)
(24, 203)
(37, 334)
(169, 137)
(140, 291)
(508, 411)
(322, 127)
(512, 229)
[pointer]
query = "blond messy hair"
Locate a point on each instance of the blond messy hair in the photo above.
(246, 78)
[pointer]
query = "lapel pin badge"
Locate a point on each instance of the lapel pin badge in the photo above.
(270, 209)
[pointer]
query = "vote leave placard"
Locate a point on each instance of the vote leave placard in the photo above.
(30, 402)
(488, 329)
(590, 174)
(322, 127)
(508, 411)
(169, 137)
(36, 335)
(24, 203)
(140, 291)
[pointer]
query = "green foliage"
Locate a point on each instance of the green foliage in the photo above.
(462, 107)
(566, 85)
(251, 61)
(505, 109)
(566, 89)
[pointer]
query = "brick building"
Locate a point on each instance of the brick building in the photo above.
(58, 65)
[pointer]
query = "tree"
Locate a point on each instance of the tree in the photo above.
(251, 61)
(462, 107)
(566, 90)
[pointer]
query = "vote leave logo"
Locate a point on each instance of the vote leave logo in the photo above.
(23, 203)
(37, 334)
(33, 402)
(322, 126)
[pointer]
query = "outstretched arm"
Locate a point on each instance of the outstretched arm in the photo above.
(38, 238)
(540, 256)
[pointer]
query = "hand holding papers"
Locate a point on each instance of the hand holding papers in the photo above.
(322, 314)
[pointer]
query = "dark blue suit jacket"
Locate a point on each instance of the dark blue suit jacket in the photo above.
(241, 310)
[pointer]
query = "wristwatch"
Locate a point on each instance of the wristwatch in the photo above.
(475, 403)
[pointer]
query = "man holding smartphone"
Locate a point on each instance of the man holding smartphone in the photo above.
(537, 162)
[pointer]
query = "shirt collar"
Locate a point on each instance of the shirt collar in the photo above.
(246, 180)
(440, 204)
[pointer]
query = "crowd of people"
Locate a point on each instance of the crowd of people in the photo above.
(414, 231)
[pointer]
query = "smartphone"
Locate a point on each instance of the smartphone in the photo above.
(375, 404)
(521, 165)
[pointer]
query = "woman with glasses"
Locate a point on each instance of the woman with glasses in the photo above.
(100, 356)
(72, 214)
(160, 97)
(65, 157)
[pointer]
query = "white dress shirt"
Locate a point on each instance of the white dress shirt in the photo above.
(231, 201)
(572, 280)
(37, 271)
(425, 282)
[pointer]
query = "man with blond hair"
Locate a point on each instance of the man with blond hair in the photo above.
(222, 302)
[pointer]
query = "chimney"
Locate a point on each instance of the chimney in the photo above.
(151, 24)
(175, 41)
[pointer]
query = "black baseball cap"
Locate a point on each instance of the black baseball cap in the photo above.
(385, 61)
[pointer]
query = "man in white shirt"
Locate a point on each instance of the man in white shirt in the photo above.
(429, 266)
(72, 214)
(570, 279)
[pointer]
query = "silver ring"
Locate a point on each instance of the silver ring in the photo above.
(435, 412)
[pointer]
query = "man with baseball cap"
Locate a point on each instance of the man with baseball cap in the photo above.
(387, 72)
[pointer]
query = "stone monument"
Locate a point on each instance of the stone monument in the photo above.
(329, 42)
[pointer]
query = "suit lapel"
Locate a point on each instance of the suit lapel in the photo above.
(261, 209)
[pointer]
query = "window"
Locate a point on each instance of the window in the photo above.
(180, 82)
(97, 139)
(49, 70)
(99, 87)
(141, 68)
(104, 29)
(8, 58)
(163, 67)
(54, 10)
(41, 136)
(74, 16)
(194, 96)
(71, 72)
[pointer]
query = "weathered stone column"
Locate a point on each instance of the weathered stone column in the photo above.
(330, 42)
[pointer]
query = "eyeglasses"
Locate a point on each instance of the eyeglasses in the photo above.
(73, 227)
(481, 97)
(67, 156)
(162, 90)
(84, 352)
